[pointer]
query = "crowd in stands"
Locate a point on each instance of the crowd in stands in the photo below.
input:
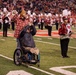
(38, 8)
(52, 6)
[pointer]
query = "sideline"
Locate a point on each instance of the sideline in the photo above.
(54, 44)
(28, 65)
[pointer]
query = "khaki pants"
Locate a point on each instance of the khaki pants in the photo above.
(32, 50)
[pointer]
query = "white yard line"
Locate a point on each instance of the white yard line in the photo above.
(28, 66)
(18, 72)
(6, 57)
(54, 44)
(63, 71)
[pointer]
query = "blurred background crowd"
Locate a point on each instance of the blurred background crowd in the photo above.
(39, 11)
(37, 6)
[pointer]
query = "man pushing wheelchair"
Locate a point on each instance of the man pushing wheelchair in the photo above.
(26, 48)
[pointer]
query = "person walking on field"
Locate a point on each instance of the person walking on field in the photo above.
(65, 33)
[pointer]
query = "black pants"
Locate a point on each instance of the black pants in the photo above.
(5, 29)
(13, 25)
(49, 30)
(4, 33)
(0, 25)
(42, 24)
(64, 46)
(56, 26)
(39, 26)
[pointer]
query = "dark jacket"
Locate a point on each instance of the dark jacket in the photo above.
(26, 38)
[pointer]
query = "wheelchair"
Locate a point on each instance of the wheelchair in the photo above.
(19, 58)
(20, 53)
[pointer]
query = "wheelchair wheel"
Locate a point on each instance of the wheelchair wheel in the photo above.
(17, 57)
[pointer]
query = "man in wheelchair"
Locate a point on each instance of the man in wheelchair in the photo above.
(27, 43)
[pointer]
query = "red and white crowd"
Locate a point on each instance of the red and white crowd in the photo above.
(35, 17)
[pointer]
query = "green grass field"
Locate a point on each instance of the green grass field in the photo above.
(50, 56)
